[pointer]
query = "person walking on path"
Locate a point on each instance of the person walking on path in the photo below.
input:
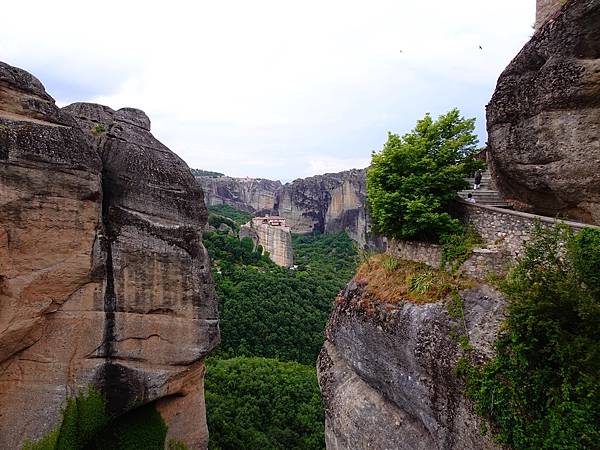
(477, 184)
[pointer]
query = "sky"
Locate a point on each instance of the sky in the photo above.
(274, 89)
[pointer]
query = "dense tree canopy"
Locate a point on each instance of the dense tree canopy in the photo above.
(238, 216)
(269, 311)
(259, 403)
(266, 310)
(412, 181)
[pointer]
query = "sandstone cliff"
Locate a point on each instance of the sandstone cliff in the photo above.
(544, 118)
(247, 194)
(104, 280)
(329, 203)
(387, 372)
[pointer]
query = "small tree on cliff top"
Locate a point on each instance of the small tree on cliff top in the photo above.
(413, 179)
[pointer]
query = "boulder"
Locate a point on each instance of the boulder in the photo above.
(544, 118)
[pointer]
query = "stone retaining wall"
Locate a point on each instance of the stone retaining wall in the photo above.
(504, 232)
(505, 229)
(482, 262)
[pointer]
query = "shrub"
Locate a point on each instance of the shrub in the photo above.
(414, 178)
(542, 390)
(458, 247)
(99, 129)
(140, 429)
(86, 425)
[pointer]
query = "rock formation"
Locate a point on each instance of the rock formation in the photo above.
(104, 280)
(387, 372)
(545, 10)
(329, 203)
(274, 236)
(544, 117)
(247, 194)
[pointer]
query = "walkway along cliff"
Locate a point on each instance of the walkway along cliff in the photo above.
(104, 280)
(387, 371)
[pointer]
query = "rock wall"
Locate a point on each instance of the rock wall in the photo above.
(247, 194)
(507, 230)
(482, 262)
(388, 377)
(543, 120)
(329, 203)
(104, 280)
(545, 9)
(277, 240)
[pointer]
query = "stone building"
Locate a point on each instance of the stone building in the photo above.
(273, 234)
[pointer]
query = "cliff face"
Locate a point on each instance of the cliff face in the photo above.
(329, 203)
(544, 118)
(247, 194)
(545, 9)
(387, 373)
(277, 240)
(104, 280)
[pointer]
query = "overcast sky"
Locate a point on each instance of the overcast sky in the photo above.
(274, 89)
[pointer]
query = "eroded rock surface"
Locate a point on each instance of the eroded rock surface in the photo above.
(387, 372)
(247, 194)
(544, 118)
(104, 279)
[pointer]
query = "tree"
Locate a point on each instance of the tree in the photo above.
(414, 178)
(259, 403)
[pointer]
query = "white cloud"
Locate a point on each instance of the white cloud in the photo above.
(265, 85)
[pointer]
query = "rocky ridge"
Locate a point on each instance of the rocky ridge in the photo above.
(329, 203)
(104, 280)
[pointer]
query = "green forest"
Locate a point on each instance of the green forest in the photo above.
(261, 384)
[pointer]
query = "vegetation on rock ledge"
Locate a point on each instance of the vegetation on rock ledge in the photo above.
(386, 279)
(542, 390)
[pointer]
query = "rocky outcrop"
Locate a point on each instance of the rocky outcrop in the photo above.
(387, 372)
(545, 11)
(329, 203)
(275, 239)
(544, 117)
(104, 280)
(247, 194)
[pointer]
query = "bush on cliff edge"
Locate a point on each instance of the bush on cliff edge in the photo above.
(414, 178)
(542, 390)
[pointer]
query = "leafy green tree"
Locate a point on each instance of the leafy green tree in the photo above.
(259, 404)
(413, 180)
